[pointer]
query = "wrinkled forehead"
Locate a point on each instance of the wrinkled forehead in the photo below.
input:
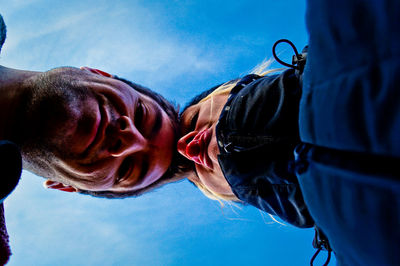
(198, 98)
(223, 88)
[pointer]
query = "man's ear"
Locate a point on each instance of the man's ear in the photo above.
(59, 186)
(97, 71)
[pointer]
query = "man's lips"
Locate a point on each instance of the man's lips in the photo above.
(197, 149)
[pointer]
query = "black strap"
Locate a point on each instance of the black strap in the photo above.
(328, 259)
(321, 242)
(298, 60)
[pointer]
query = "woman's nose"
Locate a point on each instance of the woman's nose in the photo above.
(128, 139)
(189, 146)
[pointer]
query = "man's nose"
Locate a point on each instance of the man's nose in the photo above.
(189, 146)
(128, 139)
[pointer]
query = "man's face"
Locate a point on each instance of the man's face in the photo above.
(106, 135)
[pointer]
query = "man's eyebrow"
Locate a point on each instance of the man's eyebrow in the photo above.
(157, 123)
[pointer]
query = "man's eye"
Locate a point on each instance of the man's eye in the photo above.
(124, 169)
(139, 114)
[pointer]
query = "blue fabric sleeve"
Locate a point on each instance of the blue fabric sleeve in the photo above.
(355, 199)
(350, 119)
(351, 95)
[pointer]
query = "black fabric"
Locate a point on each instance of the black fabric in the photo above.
(11, 167)
(5, 251)
(257, 133)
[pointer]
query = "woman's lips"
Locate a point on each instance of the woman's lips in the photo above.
(197, 149)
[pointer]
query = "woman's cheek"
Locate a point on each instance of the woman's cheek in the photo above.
(213, 150)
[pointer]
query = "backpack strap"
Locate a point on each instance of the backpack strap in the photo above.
(298, 59)
(320, 242)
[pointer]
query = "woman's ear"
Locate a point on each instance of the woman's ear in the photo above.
(97, 71)
(59, 186)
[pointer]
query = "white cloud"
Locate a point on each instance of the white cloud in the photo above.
(127, 42)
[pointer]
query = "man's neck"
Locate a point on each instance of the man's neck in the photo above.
(11, 92)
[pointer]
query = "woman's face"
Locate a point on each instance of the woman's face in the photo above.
(199, 142)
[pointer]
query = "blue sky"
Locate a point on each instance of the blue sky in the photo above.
(178, 48)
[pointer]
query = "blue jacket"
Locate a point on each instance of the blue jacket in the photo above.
(350, 123)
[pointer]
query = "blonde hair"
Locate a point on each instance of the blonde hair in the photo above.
(221, 198)
(223, 89)
(261, 70)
